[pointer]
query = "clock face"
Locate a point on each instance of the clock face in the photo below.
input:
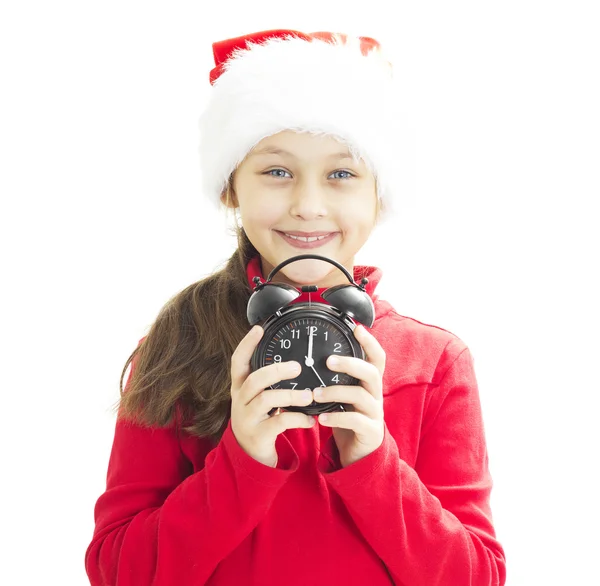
(310, 340)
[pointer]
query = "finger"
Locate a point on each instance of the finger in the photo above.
(365, 372)
(362, 401)
(240, 359)
(362, 426)
(264, 377)
(375, 353)
(287, 420)
(270, 399)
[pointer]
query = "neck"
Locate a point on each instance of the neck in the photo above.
(321, 279)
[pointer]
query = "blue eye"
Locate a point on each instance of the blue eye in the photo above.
(282, 173)
(347, 176)
(276, 172)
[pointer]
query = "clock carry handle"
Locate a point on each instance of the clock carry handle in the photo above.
(352, 299)
(317, 257)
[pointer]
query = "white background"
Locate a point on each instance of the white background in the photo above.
(496, 240)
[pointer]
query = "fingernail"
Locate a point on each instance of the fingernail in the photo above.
(333, 361)
(318, 392)
(306, 395)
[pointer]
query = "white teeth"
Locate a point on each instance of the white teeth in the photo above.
(306, 238)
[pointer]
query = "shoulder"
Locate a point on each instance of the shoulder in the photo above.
(416, 352)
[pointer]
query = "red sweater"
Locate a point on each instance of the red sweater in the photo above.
(415, 512)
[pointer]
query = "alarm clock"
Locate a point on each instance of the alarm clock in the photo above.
(309, 332)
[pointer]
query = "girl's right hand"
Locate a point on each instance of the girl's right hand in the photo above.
(251, 401)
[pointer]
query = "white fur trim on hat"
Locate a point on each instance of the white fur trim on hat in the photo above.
(310, 86)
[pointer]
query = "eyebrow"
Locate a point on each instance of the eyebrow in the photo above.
(273, 150)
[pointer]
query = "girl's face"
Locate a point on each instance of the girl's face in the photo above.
(302, 184)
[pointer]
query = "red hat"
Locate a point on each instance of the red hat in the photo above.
(324, 83)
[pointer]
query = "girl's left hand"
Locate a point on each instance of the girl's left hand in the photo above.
(359, 432)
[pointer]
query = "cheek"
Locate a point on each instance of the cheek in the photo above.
(357, 217)
(364, 210)
(261, 215)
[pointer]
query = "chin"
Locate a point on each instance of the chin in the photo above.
(309, 271)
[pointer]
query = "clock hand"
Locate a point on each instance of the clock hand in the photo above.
(309, 359)
(322, 383)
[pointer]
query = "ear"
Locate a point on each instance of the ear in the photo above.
(228, 197)
(378, 207)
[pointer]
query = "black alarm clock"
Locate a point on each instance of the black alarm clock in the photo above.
(309, 332)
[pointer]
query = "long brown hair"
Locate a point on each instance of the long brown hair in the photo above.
(181, 370)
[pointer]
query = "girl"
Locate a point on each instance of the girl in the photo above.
(204, 486)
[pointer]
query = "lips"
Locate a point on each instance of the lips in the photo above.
(306, 240)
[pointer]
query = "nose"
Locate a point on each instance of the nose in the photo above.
(308, 201)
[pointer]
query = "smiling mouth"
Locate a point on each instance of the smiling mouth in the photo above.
(306, 238)
(307, 241)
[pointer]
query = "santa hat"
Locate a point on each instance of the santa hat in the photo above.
(323, 83)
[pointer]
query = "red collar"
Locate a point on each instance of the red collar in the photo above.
(372, 273)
